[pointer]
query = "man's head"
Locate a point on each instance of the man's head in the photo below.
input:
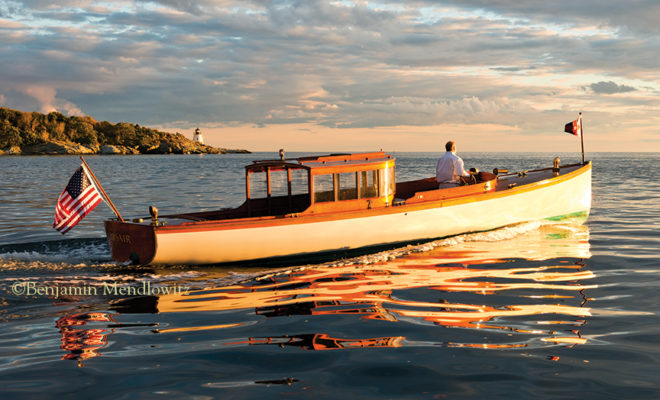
(450, 146)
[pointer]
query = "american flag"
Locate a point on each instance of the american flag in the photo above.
(76, 201)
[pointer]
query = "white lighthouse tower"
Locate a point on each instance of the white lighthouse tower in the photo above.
(197, 137)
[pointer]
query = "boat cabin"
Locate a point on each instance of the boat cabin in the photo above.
(336, 182)
(289, 188)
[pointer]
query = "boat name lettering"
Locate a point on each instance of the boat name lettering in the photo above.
(118, 237)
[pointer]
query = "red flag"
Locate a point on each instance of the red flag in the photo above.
(76, 201)
(573, 127)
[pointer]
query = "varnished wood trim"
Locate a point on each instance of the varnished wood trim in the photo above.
(303, 218)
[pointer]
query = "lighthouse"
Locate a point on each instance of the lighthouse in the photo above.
(197, 137)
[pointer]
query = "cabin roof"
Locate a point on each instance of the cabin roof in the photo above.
(273, 165)
(329, 161)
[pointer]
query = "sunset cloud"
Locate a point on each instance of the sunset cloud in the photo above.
(336, 65)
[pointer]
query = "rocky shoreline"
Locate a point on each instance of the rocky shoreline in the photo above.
(55, 147)
(34, 133)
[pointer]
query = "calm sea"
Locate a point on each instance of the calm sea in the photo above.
(531, 311)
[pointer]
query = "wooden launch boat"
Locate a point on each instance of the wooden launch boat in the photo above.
(336, 203)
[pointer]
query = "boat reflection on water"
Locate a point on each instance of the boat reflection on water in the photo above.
(527, 289)
(524, 285)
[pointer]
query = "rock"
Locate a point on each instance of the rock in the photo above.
(237, 151)
(75, 148)
(147, 149)
(93, 147)
(195, 148)
(212, 150)
(109, 149)
(177, 148)
(164, 148)
(112, 149)
(57, 147)
(11, 151)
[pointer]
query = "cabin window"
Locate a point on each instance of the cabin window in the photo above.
(324, 189)
(368, 184)
(278, 183)
(347, 186)
(258, 185)
(299, 183)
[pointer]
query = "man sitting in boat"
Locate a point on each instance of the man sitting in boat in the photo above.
(449, 172)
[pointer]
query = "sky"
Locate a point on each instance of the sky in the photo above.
(492, 75)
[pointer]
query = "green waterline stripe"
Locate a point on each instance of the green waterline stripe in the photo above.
(579, 214)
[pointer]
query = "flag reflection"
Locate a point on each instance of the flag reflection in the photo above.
(84, 335)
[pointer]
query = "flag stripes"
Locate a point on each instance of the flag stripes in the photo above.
(77, 200)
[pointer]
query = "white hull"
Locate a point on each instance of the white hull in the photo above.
(536, 201)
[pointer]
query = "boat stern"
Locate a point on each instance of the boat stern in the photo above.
(131, 242)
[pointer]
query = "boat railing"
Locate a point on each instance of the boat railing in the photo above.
(519, 173)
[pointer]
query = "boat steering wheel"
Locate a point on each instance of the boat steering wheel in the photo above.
(468, 180)
(472, 179)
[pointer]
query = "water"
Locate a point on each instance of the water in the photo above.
(550, 311)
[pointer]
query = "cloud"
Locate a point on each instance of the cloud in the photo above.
(610, 88)
(334, 64)
(44, 96)
(48, 102)
(633, 15)
(6, 24)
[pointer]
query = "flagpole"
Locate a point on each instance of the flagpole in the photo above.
(114, 209)
(581, 137)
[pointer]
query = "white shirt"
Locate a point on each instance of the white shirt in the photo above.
(449, 168)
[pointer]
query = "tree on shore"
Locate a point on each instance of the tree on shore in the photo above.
(20, 129)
